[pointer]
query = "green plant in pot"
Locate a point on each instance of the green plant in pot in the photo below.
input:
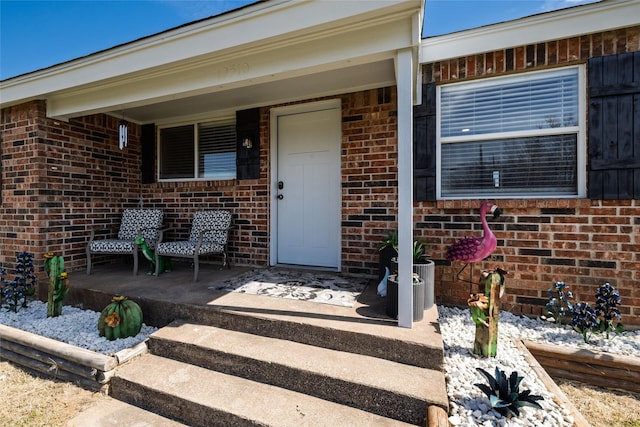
(388, 250)
(419, 252)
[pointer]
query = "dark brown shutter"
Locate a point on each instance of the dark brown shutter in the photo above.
(614, 127)
(424, 146)
(148, 152)
(248, 159)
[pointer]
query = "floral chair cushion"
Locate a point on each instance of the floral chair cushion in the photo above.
(213, 241)
(113, 246)
(220, 221)
(187, 248)
(149, 221)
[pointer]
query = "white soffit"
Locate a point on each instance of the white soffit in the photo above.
(603, 16)
(261, 43)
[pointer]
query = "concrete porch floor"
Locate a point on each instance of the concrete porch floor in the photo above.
(174, 295)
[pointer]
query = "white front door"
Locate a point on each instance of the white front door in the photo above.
(308, 194)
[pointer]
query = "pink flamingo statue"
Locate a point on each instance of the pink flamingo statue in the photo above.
(473, 249)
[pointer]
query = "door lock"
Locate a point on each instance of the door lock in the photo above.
(280, 185)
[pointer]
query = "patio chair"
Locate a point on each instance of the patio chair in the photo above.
(209, 235)
(135, 222)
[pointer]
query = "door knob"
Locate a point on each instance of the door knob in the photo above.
(280, 197)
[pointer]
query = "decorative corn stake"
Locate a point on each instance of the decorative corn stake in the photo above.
(58, 283)
(485, 309)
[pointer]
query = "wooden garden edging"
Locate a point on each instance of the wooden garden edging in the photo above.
(592, 367)
(61, 360)
(558, 395)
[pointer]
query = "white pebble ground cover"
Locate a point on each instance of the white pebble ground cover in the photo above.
(470, 406)
(75, 326)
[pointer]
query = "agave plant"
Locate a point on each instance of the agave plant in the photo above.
(505, 395)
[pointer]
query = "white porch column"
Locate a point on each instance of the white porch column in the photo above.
(404, 81)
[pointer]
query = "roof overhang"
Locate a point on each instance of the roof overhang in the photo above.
(266, 53)
(591, 18)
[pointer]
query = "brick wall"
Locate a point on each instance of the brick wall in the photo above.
(584, 243)
(369, 176)
(60, 180)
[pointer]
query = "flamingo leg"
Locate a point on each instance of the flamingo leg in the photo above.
(470, 279)
(460, 272)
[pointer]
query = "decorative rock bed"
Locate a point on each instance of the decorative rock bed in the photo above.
(61, 360)
(67, 347)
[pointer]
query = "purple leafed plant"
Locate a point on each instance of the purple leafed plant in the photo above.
(607, 312)
(14, 292)
(584, 319)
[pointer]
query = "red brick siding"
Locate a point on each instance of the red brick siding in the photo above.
(584, 243)
(60, 180)
(369, 176)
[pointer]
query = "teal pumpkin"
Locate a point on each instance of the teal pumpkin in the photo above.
(120, 319)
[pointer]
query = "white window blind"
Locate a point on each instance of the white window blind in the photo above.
(177, 152)
(519, 103)
(510, 167)
(198, 151)
(217, 151)
(514, 136)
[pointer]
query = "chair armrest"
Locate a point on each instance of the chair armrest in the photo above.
(161, 233)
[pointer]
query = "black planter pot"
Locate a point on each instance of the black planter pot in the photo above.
(418, 300)
(385, 260)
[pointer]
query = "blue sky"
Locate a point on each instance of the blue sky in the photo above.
(36, 34)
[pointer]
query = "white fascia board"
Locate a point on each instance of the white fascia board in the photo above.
(353, 46)
(255, 25)
(565, 23)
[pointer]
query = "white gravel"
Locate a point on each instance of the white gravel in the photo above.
(471, 407)
(75, 326)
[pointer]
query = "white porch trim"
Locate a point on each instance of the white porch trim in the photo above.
(405, 82)
(559, 24)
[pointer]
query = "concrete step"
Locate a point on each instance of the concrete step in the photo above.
(379, 386)
(111, 412)
(201, 397)
(420, 346)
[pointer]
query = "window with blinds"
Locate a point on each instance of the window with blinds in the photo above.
(217, 150)
(514, 136)
(198, 151)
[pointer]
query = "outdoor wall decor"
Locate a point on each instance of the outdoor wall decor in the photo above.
(123, 134)
(58, 283)
(485, 310)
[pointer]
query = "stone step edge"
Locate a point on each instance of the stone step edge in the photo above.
(410, 353)
(376, 385)
(200, 397)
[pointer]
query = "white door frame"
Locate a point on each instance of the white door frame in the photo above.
(275, 113)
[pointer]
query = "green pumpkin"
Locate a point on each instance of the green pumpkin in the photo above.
(120, 319)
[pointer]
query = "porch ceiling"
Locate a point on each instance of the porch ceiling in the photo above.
(349, 79)
(268, 53)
